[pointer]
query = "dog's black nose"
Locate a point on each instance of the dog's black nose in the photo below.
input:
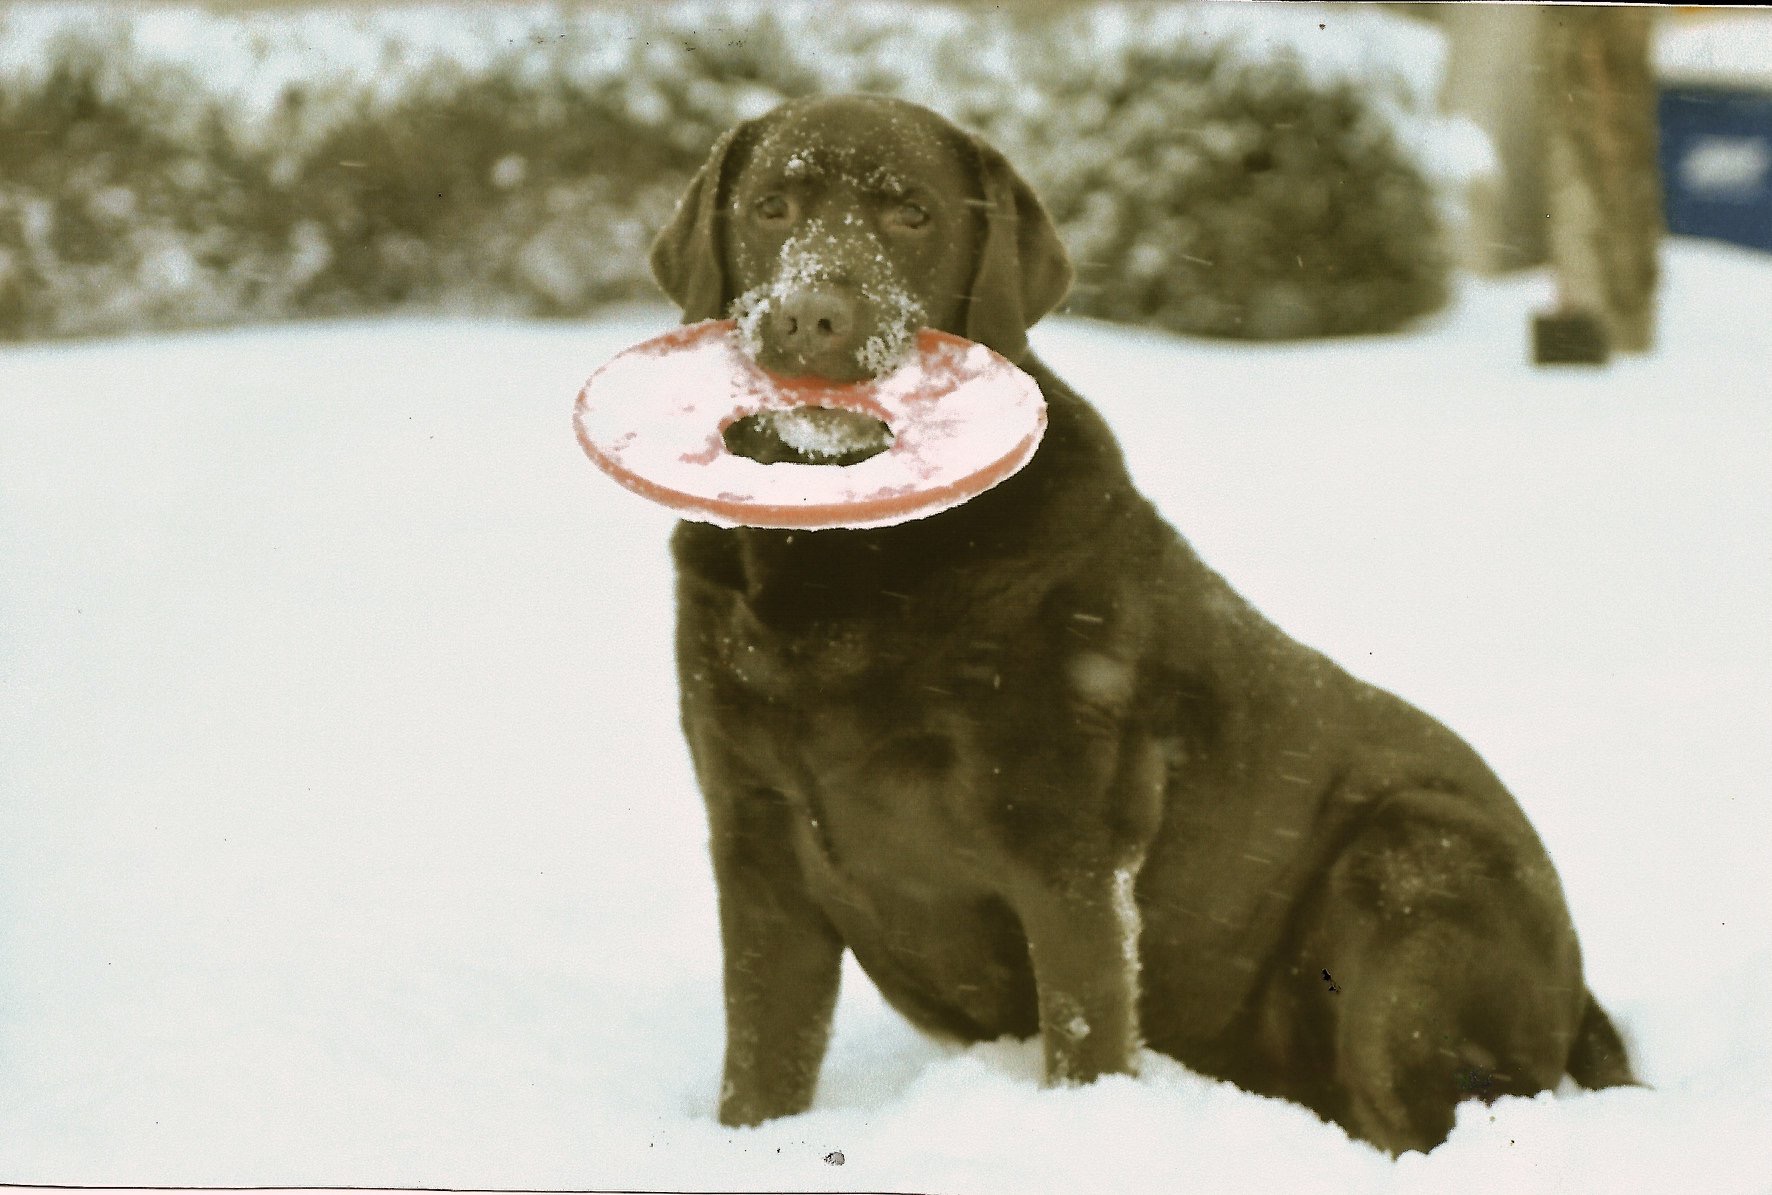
(811, 324)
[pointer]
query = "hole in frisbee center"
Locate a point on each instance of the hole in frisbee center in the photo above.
(808, 436)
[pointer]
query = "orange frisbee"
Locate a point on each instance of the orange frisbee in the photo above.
(962, 418)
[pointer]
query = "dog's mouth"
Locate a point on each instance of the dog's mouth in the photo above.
(808, 436)
(836, 368)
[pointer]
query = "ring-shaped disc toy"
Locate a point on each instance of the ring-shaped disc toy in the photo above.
(962, 419)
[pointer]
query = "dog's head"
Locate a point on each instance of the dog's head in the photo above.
(834, 228)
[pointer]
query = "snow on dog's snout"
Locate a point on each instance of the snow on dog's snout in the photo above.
(850, 260)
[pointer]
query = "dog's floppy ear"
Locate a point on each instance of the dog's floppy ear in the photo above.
(1023, 271)
(689, 254)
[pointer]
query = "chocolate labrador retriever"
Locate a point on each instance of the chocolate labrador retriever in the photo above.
(1031, 760)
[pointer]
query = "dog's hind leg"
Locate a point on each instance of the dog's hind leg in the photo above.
(1436, 964)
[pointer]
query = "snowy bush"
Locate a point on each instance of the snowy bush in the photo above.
(1211, 177)
(1230, 172)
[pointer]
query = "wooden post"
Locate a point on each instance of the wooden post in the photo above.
(1491, 72)
(1603, 190)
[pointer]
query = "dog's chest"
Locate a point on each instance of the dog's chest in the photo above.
(823, 658)
(877, 650)
(871, 731)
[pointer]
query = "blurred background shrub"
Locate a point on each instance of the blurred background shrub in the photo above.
(1241, 171)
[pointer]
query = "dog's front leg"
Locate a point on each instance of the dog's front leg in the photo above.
(1080, 820)
(782, 962)
(1083, 940)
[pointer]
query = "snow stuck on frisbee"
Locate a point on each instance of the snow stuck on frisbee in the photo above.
(961, 419)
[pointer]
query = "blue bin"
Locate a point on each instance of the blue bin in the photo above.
(1716, 163)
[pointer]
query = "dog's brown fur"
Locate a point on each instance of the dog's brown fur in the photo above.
(1038, 767)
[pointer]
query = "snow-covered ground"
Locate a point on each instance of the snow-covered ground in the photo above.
(346, 836)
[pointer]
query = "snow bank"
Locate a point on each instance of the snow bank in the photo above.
(347, 837)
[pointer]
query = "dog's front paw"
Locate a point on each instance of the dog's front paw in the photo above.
(742, 1110)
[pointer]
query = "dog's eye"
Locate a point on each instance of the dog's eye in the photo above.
(909, 215)
(773, 209)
